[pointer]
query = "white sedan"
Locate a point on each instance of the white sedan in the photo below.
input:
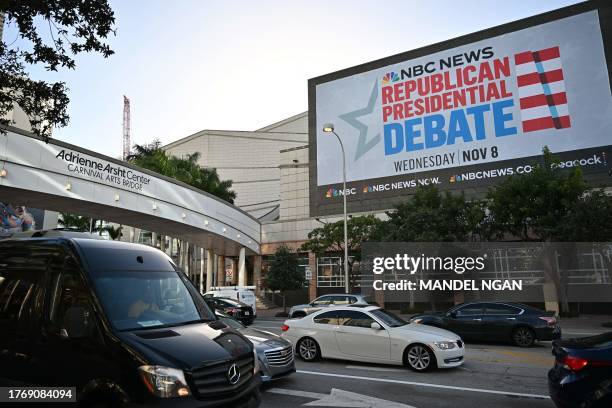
(371, 334)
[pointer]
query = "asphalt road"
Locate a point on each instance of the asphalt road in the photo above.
(493, 375)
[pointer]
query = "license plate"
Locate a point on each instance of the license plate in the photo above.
(247, 313)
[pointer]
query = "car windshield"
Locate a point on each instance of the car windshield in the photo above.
(388, 318)
(234, 324)
(147, 300)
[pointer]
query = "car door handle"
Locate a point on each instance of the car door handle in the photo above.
(510, 318)
(477, 319)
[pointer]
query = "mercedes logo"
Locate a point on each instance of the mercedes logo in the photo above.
(233, 374)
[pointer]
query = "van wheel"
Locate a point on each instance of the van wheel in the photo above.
(308, 349)
(523, 337)
(419, 358)
(298, 315)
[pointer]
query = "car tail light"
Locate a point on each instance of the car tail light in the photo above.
(232, 310)
(550, 320)
(284, 327)
(574, 363)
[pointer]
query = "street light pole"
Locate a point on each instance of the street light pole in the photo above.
(329, 128)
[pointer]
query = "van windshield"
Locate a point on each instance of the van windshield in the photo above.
(147, 300)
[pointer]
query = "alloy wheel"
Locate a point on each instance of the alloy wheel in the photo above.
(523, 337)
(419, 358)
(308, 349)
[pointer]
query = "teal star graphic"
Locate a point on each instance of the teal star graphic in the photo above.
(363, 145)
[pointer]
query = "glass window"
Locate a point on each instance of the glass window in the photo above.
(388, 318)
(329, 272)
(354, 319)
(20, 275)
(140, 300)
(69, 291)
(469, 310)
(326, 318)
(496, 309)
(340, 300)
(323, 300)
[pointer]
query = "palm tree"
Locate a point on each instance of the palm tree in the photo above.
(185, 169)
(79, 222)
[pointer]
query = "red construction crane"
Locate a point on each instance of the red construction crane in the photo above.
(126, 127)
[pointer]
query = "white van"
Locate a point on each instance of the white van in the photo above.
(242, 294)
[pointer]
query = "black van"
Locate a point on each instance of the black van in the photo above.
(119, 322)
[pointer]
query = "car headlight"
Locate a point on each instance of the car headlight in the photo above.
(445, 345)
(417, 320)
(255, 362)
(164, 382)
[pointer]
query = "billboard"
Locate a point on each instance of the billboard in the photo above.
(465, 113)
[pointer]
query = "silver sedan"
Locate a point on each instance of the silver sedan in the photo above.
(275, 353)
(324, 301)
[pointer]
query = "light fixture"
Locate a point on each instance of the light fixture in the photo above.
(224, 229)
(328, 127)
(3, 173)
(237, 235)
(184, 215)
(249, 241)
(205, 222)
(154, 206)
(116, 197)
(68, 186)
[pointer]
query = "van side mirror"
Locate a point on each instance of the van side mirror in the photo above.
(375, 326)
(452, 315)
(77, 323)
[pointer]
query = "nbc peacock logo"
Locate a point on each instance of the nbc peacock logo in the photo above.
(390, 77)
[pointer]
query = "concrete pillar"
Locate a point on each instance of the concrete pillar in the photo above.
(154, 239)
(234, 269)
(210, 259)
(257, 273)
(242, 274)
(221, 271)
(201, 270)
(162, 243)
(312, 285)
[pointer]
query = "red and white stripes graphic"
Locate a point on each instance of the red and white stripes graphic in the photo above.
(541, 87)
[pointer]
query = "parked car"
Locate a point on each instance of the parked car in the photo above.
(498, 321)
(276, 359)
(242, 294)
(326, 301)
(237, 310)
(119, 322)
(582, 375)
(371, 334)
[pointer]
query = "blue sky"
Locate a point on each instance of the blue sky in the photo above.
(241, 65)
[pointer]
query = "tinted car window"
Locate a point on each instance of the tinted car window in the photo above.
(469, 310)
(68, 291)
(324, 300)
(326, 318)
(340, 300)
(20, 275)
(495, 309)
(354, 319)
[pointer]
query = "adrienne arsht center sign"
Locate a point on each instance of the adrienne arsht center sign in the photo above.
(465, 113)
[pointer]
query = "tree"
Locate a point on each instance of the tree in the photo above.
(114, 233)
(534, 206)
(432, 216)
(185, 169)
(546, 205)
(73, 27)
(78, 222)
(330, 238)
(284, 273)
